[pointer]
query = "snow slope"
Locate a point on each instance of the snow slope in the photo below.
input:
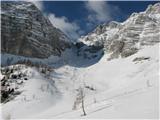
(37, 94)
(122, 84)
(122, 88)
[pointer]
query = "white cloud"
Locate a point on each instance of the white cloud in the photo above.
(69, 28)
(100, 11)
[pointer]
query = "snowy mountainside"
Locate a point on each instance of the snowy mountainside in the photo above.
(34, 89)
(131, 93)
(102, 32)
(9, 59)
(125, 87)
(127, 38)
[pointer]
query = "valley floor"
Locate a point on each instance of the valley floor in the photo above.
(120, 88)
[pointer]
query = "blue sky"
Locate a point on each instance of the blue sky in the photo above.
(76, 18)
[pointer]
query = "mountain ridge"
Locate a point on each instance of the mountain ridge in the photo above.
(94, 75)
(124, 39)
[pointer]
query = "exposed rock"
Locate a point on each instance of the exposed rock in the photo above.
(89, 52)
(125, 39)
(141, 58)
(138, 30)
(25, 31)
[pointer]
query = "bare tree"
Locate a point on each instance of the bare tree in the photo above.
(80, 100)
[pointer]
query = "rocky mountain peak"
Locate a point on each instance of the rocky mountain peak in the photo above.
(153, 9)
(125, 39)
(99, 29)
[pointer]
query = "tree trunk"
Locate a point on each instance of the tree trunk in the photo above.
(82, 99)
(84, 113)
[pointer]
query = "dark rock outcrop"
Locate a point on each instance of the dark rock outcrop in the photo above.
(26, 32)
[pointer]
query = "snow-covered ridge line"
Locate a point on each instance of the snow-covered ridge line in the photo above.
(126, 87)
(124, 39)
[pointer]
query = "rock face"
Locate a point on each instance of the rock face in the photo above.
(125, 39)
(25, 31)
(89, 51)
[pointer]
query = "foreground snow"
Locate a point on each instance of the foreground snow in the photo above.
(122, 88)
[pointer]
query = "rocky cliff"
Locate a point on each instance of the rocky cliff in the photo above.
(26, 32)
(125, 39)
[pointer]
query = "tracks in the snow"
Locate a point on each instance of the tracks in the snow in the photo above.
(100, 105)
